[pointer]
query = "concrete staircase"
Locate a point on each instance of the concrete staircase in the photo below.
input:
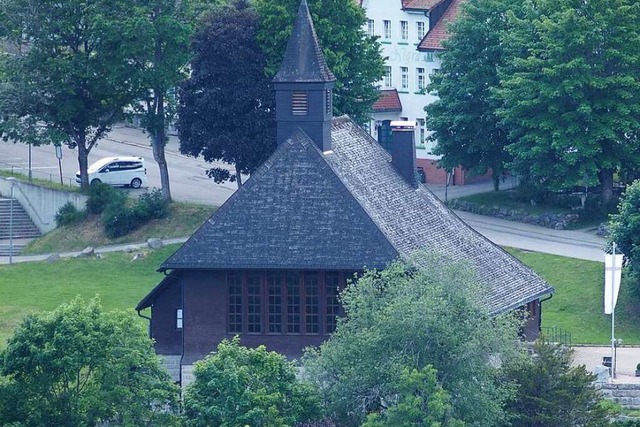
(15, 221)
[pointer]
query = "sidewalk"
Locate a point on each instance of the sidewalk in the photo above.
(626, 360)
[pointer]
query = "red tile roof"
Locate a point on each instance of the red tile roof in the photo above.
(420, 4)
(433, 39)
(389, 102)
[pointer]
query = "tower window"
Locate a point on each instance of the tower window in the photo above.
(327, 94)
(299, 103)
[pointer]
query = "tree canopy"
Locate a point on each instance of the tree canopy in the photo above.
(226, 107)
(413, 316)
(81, 366)
(352, 55)
(237, 386)
(624, 230)
(74, 73)
(571, 91)
(463, 118)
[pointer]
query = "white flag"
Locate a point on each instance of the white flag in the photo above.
(612, 275)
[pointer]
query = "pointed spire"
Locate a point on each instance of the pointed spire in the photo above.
(303, 60)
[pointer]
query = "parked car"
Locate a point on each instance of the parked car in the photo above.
(126, 171)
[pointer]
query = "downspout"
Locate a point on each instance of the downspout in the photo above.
(540, 317)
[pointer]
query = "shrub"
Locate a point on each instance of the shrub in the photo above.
(102, 195)
(118, 220)
(68, 214)
(151, 205)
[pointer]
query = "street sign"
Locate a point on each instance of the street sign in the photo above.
(59, 152)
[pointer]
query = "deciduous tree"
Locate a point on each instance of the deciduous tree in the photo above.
(624, 230)
(352, 55)
(572, 91)
(226, 107)
(81, 366)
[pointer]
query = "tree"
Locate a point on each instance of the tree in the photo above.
(572, 91)
(552, 393)
(624, 230)
(75, 75)
(352, 55)
(81, 366)
(463, 118)
(226, 108)
(237, 386)
(411, 316)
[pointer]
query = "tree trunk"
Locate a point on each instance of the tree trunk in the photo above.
(496, 181)
(158, 142)
(80, 139)
(238, 176)
(605, 176)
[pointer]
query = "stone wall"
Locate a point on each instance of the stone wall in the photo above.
(548, 220)
(627, 395)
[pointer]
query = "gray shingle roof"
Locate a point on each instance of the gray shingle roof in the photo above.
(346, 209)
(303, 59)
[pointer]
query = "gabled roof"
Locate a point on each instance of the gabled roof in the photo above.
(346, 209)
(420, 4)
(303, 59)
(436, 35)
(389, 102)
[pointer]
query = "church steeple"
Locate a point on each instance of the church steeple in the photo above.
(304, 85)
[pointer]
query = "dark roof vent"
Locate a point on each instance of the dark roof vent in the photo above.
(403, 150)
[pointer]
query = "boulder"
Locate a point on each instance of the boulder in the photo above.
(154, 243)
(53, 257)
(86, 252)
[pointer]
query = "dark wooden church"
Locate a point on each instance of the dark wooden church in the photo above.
(330, 202)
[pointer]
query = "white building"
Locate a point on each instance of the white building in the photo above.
(410, 32)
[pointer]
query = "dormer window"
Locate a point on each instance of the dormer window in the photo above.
(299, 103)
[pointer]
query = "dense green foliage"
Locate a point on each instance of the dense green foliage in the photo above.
(571, 92)
(552, 393)
(226, 107)
(352, 56)
(81, 366)
(411, 316)
(237, 386)
(120, 218)
(68, 214)
(464, 121)
(624, 230)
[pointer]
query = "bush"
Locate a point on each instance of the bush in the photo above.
(101, 196)
(119, 220)
(68, 214)
(151, 206)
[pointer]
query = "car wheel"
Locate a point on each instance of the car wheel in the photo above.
(95, 181)
(136, 183)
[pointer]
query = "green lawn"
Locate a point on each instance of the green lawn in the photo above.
(577, 304)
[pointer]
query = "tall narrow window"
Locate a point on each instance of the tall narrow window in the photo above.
(332, 286)
(371, 27)
(274, 291)
(299, 102)
(404, 30)
(294, 319)
(420, 30)
(420, 76)
(311, 303)
(328, 100)
(388, 81)
(387, 29)
(234, 284)
(179, 318)
(254, 303)
(422, 130)
(404, 77)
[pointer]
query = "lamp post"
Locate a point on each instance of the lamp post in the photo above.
(13, 183)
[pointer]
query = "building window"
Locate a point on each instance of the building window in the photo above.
(404, 77)
(234, 284)
(332, 291)
(274, 294)
(428, 57)
(420, 79)
(328, 101)
(387, 29)
(404, 30)
(254, 304)
(311, 303)
(299, 102)
(420, 30)
(179, 318)
(422, 130)
(294, 319)
(371, 27)
(388, 80)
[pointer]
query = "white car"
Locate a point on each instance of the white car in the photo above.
(130, 171)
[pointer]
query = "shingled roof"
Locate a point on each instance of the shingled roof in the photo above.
(346, 209)
(389, 102)
(436, 35)
(420, 4)
(303, 59)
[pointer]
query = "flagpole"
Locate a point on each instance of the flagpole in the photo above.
(613, 313)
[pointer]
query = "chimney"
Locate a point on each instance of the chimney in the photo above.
(403, 150)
